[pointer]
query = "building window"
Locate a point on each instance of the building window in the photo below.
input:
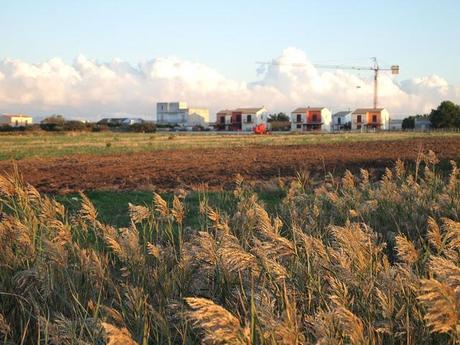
(358, 127)
(238, 118)
(249, 119)
(374, 118)
(299, 118)
(299, 126)
(222, 119)
(315, 118)
(359, 119)
(17, 123)
(339, 121)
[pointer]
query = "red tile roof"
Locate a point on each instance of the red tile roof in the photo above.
(367, 110)
(249, 110)
(304, 110)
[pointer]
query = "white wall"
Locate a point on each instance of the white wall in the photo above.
(344, 119)
(386, 119)
(201, 112)
(21, 120)
(258, 118)
(326, 118)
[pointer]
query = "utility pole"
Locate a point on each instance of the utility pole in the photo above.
(376, 82)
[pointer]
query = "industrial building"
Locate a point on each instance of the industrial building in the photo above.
(179, 114)
(422, 124)
(395, 125)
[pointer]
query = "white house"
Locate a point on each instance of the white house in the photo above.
(370, 118)
(19, 120)
(341, 120)
(241, 119)
(178, 113)
(251, 117)
(311, 119)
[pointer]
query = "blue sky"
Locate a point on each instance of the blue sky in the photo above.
(421, 36)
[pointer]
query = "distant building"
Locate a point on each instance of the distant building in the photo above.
(396, 125)
(370, 118)
(19, 120)
(422, 124)
(341, 120)
(120, 121)
(132, 121)
(198, 117)
(178, 113)
(224, 120)
(311, 119)
(241, 119)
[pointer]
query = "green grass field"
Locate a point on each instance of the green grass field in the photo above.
(113, 206)
(62, 144)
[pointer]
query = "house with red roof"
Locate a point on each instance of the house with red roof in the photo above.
(311, 119)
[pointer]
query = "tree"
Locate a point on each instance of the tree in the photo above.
(53, 123)
(447, 115)
(282, 117)
(73, 125)
(56, 119)
(408, 122)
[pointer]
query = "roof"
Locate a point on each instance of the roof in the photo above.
(225, 112)
(367, 110)
(304, 110)
(342, 113)
(18, 115)
(249, 110)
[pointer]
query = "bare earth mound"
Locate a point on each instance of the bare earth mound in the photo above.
(217, 167)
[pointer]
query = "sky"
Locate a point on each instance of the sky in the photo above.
(90, 59)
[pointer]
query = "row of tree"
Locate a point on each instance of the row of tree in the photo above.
(57, 123)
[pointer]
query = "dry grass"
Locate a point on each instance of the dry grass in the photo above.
(347, 261)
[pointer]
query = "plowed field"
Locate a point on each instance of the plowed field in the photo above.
(216, 168)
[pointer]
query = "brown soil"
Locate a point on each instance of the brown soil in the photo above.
(216, 168)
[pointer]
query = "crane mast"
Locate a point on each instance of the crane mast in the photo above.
(375, 67)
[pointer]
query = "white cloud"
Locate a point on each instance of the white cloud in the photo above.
(89, 89)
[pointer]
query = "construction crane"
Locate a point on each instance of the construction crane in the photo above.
(374, 67)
